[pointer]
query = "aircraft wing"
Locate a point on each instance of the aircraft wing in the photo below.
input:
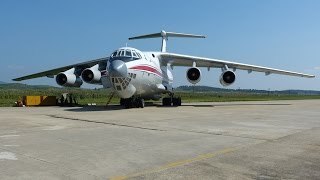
(79, 67)
(185, 60)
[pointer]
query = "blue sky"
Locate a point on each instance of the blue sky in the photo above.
(38, 35)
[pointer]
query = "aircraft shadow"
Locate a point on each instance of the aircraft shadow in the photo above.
(96, 108)
(118, 107)
(103, 108)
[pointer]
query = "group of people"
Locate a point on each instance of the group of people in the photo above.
(67, 99)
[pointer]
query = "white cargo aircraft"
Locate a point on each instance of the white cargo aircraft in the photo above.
(137, 76)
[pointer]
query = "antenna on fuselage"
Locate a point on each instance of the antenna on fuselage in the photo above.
(165, 36)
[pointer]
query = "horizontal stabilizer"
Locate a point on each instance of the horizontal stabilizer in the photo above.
(165, 36)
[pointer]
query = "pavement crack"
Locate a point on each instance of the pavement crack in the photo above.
(107, 123)
(221, 134)
(293, 134)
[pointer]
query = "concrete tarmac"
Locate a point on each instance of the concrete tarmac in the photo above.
(234, 140)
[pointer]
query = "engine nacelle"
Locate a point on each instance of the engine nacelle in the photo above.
(69, 79)
(194, 75)
(227, 78)
(92, 75)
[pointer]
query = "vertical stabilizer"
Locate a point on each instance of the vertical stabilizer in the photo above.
(165, 36)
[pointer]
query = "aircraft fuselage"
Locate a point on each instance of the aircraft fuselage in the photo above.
(142, 76)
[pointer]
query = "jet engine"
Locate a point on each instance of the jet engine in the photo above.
(92, 75)
(227, 78)
(194, 75)
(68, 79)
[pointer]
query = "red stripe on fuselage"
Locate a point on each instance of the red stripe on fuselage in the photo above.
(147, 68)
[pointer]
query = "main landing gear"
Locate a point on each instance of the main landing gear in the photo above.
(134, 102)
(171, 101)
(138, 102)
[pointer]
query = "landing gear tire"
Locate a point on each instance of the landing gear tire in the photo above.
(174, 101)
(122, 102)
(127, 103)
(132, 102)
(139, 103)
(166, 101)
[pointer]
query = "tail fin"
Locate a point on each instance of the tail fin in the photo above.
(165, 36)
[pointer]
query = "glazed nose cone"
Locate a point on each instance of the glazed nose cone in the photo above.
(118, 68)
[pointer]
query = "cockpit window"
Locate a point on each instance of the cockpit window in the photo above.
(125, 55)
(118, 54)
(134, 54)
(114, 54)
(121, 53)
(128, 53)
(139, 55)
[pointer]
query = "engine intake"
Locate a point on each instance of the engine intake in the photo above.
(227, 78)
(68, 79)
(92, 75)
(194, 75)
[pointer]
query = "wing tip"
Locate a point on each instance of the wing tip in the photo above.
(16, 79)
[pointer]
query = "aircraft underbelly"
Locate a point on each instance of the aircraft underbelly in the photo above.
(146, 84)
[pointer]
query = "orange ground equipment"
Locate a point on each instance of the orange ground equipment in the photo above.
(39, 100)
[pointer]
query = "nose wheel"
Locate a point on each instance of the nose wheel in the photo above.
(141, 103)
(135, 102)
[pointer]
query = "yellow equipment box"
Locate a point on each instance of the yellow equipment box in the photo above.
(39, 100)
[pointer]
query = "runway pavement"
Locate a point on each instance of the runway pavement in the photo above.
(234, 140)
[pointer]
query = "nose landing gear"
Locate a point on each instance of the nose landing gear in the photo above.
(134, 102)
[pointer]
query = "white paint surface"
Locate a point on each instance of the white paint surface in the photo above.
(9, 136)
(11, 145)
(52, 128)
(7, 156)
